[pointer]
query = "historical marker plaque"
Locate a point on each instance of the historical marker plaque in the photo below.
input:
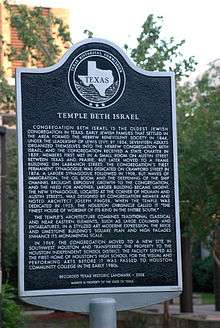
(97, 176)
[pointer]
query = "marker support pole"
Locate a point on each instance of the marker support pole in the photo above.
(102, 313)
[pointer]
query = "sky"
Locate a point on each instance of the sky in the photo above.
(120, 21)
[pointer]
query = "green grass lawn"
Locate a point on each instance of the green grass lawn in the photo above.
(207, 298)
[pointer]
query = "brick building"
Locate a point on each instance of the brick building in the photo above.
(10, 36)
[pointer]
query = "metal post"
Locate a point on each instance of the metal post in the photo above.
(102, 313)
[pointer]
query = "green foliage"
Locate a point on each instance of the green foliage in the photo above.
(7, 93)
(199, 148)
(10, 254)
(88, 33)
(203, 275)
(208, 298)
(42, 39)
(11, 312)
(198, 119)
(154, 53)
(41, 35)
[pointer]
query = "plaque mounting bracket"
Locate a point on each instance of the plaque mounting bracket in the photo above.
(81, 302)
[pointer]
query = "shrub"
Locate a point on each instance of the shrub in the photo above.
(203, 275)
(11, 219)
(11, 312)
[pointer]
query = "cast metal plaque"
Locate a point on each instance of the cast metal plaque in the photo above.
(98, 185)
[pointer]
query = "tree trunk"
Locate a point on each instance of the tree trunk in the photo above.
(217, 271)
(166, 314)
(186, 299)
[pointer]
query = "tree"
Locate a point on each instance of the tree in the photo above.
(7, 94)
(42, 37)
(199, 146)
(198, 121)
(154, 53)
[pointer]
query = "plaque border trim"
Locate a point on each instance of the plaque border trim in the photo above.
(103, 290)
